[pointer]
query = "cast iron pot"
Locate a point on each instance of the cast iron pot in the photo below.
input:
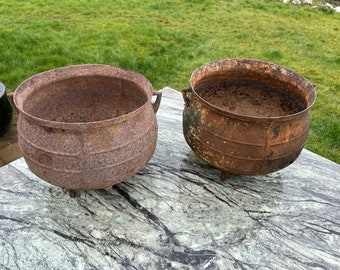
(247, 116)
(86, 126)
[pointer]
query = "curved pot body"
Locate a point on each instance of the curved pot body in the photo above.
(87, 126)
(237, 142)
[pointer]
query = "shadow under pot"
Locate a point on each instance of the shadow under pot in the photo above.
(247, 116)
(86, 126)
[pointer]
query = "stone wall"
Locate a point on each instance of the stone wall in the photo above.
(325, 5)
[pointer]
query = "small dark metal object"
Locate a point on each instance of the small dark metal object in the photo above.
(228, 136)
(87, 126)
(5, 110)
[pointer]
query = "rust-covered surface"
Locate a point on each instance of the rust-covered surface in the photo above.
(87, 126)
(246, 116)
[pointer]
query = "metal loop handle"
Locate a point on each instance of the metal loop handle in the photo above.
(185, 96)
(155, 105)
(10, 98)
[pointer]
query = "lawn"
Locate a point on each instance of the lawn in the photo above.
(167, 40)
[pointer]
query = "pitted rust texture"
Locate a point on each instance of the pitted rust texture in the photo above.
(87, 126)
(233, 140)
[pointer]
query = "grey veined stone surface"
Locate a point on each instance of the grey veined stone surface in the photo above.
(175, 214)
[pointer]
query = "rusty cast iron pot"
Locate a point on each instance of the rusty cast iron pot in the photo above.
(86, 126)
(247, 116)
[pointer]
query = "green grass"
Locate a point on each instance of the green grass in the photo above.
(167, 40)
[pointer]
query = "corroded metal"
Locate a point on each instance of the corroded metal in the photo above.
(240, 143)
(87, 126)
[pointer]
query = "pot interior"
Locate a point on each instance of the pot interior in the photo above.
(82, 99)
(250, 97)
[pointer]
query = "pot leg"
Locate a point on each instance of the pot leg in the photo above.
(224, 175)
(72, 193)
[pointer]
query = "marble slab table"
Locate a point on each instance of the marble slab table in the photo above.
(175, 214)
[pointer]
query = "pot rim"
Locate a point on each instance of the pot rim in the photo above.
(67, 72)
(224, 65)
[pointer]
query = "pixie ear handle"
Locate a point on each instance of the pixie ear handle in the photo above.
(155, 105)
(185, 95)
(11, 101)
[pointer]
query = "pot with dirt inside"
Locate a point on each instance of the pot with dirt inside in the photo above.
(247, 116)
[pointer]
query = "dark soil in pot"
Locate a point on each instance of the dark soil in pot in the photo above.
(251, 99)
